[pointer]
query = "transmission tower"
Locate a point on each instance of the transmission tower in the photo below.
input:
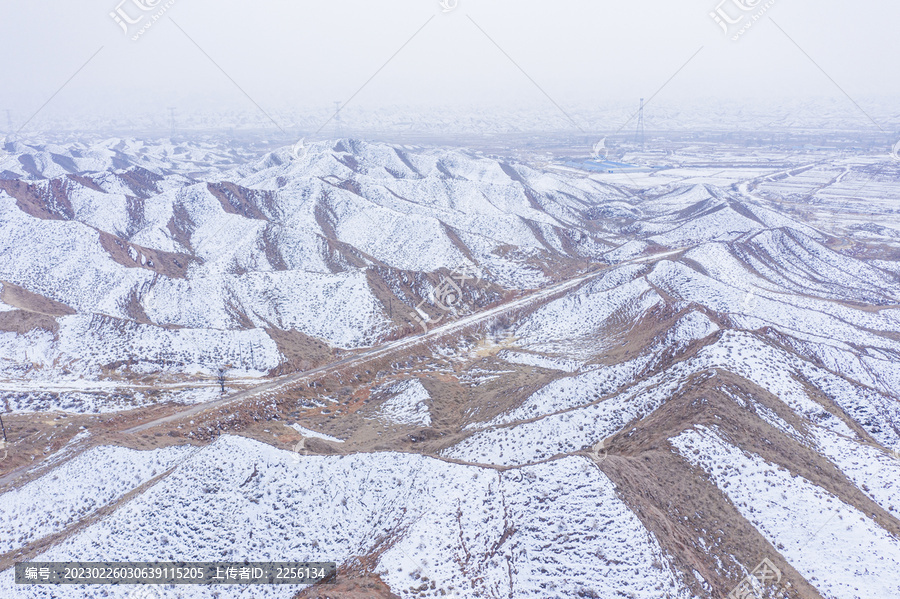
(171, 122)
(338, 125)
(221, 378)
(639, 134)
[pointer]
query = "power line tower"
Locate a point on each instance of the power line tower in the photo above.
(338, 124)
(639, 134)
(221, 378)
(171, 122)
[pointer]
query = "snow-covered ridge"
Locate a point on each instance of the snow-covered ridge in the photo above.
(835, 546)
(77, 489)
(239, 499)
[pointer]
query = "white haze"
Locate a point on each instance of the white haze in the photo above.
(302, 56)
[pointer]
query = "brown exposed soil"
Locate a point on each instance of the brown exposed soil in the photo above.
(680, 505)
(134, 256)
(48, 201)
(32, 302)
(86, 182)
(355, 579)
(140, 181)
(21, 321)
(181, 225)
(301, 351)
(240, 200)
(349, 587)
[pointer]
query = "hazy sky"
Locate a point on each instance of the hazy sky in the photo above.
(305, 54)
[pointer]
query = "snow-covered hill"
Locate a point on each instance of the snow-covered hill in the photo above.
(719, 388)
(183, 275)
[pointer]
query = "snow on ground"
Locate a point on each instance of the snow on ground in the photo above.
(573, 391)
(580, 319)
(806, 318)
(570, 424)
(194, 395)
(569, 430)
(73, 401)
(873, 411)
(770, 368)
(409, 404)
(96, 340)
(747, 401)
(338, 307)
(724, 223)
(77, 489)
(627, 251)
(472, 531)
(95, 397)
(37, 346)
(691, 327)
(314, 435)
(540, 361)
(874, 472)
(64, 261)
(834, 546)
(810, 269)
(564, 515)
(47, 371)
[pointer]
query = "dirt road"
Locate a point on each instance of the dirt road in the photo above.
(389, 348)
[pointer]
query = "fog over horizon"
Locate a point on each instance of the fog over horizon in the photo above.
(286, 63)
